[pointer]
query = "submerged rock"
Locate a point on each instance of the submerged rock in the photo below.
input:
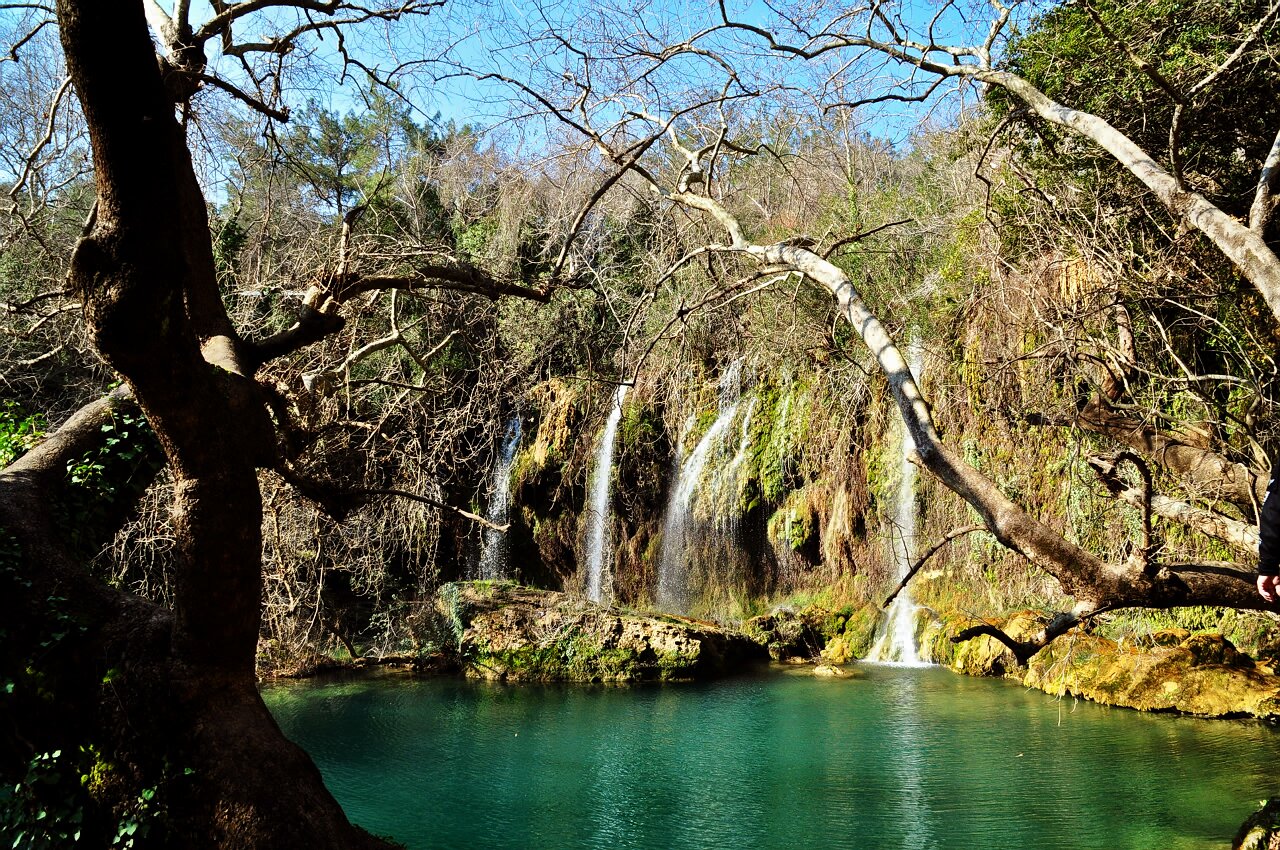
(503, 631)
(830, 671)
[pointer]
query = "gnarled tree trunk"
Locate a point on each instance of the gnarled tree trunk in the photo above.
(163, 703)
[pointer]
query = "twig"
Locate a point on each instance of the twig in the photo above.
(915, 568)
(426, 500)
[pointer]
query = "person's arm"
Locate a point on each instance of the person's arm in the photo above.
(1269, 543)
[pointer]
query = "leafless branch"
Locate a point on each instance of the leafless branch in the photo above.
(246, 98)
(920, 562)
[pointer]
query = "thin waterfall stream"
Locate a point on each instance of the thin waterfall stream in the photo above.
(598, 500)
(494, 552)
(680, 526)
(896, 643)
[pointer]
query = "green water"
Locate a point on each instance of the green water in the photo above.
(893, 759)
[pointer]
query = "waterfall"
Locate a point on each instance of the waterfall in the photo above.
(896, 643)
(598, 501)
(673, 593)
(730, 480)
(494, 554)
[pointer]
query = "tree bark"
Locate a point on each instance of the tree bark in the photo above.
(1245, 247)
(1205, 474)
(170, 699)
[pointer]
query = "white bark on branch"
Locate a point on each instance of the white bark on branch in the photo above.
(1264, 199)
(1241, 536)
(1239, 243)
(1093, 582)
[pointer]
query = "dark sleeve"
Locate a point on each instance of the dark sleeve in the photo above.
(1269, 531)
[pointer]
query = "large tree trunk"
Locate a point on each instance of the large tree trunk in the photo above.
(165, 700)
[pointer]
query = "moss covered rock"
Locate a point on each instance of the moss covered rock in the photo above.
(1204, 675)
(1262, 830)
(788, 634)
(980, 656)
(503, 631)
(1172, 670)
(850, 632)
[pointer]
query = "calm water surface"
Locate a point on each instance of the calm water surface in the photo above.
(892, 759)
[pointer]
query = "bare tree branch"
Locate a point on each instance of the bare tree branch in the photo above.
(923, 559)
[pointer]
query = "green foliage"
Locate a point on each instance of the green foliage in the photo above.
(19, 431)
(107, 475)
(1227, 129)
(229, 238)
(347, 159)
(640, 425)
(557, 337)
(127, 438)
(67, 798)
(46, 808)
(477, 240)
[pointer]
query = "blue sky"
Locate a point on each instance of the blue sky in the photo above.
(513, 38)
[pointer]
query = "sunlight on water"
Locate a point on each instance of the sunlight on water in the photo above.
(895, 758)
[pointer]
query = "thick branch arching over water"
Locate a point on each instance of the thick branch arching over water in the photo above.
(1241, 242)
(1094, 583)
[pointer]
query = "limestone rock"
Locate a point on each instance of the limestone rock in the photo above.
(1204, 675)
(1171, 670)
(1164, 637)
(830, 671)
(1262, 830)
(503, 631)
(1214, 649)
(787, 634)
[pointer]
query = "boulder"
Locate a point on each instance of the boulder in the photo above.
(503, 631)
(1204, 675)
(1163, 637)
(1262, 830)
(787, 635)
(1171, 670)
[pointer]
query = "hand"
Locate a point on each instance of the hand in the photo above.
(1269, 587)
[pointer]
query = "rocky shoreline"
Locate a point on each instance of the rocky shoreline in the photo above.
(503, 631)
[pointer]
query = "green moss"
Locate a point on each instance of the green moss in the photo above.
(795, 524)
(576, 656)
(780, 423)
(640, 425)
(850, 632)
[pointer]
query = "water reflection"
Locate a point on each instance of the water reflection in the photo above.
(894, 759)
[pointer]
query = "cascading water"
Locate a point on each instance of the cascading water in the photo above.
(896, 643)
(494, 549)
(598, 501)
(678, 528)
(729, 483)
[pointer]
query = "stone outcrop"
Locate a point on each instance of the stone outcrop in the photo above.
(1172, 670)
(787, 634)
(1262, 830)
(503, 631)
